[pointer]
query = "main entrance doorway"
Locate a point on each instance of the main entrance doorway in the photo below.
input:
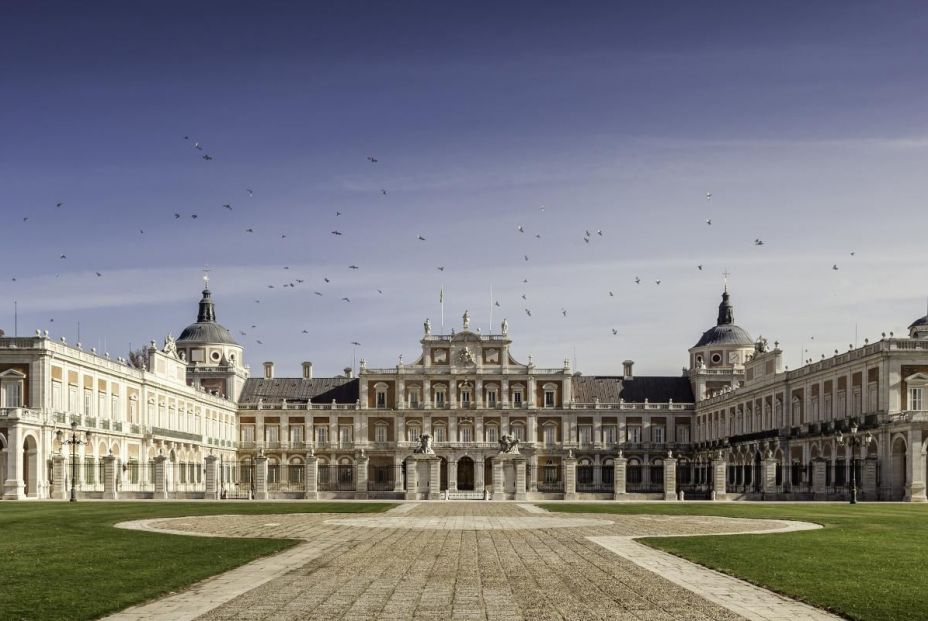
(466, 474)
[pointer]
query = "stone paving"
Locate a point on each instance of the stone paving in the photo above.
(461, 561)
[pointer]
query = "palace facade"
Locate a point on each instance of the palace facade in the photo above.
(735, 424)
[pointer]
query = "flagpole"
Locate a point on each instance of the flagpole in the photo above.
(490, 331)
(441, 300)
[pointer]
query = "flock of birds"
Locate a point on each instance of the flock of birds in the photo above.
(588, 236)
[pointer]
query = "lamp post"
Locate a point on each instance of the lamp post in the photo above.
(74, 442)
(853, 440)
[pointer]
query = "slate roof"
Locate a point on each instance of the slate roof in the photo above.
(726, 334)
(919, 322)
(612, 389)
(206, 332)
(299, 390)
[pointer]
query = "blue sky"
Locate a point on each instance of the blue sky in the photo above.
(806, 122)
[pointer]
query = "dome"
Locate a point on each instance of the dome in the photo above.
(725, 332)
(206, 330)
(726, 335)
(921, 321)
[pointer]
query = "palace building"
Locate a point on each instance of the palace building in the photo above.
(469, 418)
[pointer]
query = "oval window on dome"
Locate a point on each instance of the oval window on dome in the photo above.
(716, 358)
(215, 356)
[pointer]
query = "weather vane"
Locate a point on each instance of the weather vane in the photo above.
(206, 272)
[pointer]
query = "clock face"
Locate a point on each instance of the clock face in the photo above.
(733, 357)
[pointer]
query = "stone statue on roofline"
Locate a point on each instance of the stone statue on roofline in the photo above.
(427, 326)
(509, 445)
(425, 445)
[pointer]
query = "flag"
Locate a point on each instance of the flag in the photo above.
(441, 295)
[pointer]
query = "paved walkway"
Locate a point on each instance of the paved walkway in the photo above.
(468, 561)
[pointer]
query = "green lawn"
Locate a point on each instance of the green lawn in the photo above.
(66, 561)
(870, 561)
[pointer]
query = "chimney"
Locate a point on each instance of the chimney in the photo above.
(307, 370)
(348, 372)
(627, 369)
(268, 370)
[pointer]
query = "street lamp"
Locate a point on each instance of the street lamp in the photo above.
(74, 441)
(853, 441)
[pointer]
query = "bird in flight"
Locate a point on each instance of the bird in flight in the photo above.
(59, 205)
(614, 332)
(528, 312)
(352, 267)
(525, 257)
(305, 331)
(835, 267)
(853, 253)
(382, 191)
(708, 195)
(564, 311)
(599, 232)
(520, 228)
(657, 282)
(380, 291)
(326, 279)
(637, 280)
(63, 257)
(207, 157)
(355, 343)
(496, 303)
(420, 238)
(372, 159)
(441, 268)
(709, 221)
(249, 230)
(758, 242)
(525, 281)
(699, 267)
(523, 297)
(99, 274)
(259, 342)
(336, 232)
(586, 239)
(251, 192)
(228, 206)
(176, 216)
(611, 294)
(346, 299)
(317, 292)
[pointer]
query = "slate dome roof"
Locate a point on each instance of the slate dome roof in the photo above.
(206, 330)
(921, 321)
(725, 332)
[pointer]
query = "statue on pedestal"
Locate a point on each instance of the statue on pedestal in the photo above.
(425, 445)
(509, 445)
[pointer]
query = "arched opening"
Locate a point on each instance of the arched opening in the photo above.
(443, 475)
(466, 474)
(30, 467)
(897, 469)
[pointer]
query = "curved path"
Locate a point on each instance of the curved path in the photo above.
(463, 561)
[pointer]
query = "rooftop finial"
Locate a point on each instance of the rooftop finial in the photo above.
(206, 272)
(725, 276)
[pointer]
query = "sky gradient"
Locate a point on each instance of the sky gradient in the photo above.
(805, 121)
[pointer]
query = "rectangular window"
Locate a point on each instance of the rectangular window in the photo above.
(271, 434)
(248, 433)
(88, 402)
(517, 398)
(381, 399)
(296, 434)
(916, 401)
(609, 434)
(518, 432)
(440, 399)
(549, 398)
(11, 396)
(465, 398)
(344, 435)
(380, 434)
(116, 416)
(683, 434)
(550, 434)
(586, 434)
(56, 396)
(72, 399)
(492, 434)
(466, 433)
(439, 433)
(413, 433)
(657, 434)
(633, 434)
(491, 398)
(322, 435)
(414, 398)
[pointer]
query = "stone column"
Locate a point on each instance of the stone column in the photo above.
(670, 478)
(434, 478)
(412, 478)
(719, 477)
(769, 484)
(915, 469)
(520, 478)
(58, 475)
(618, 477)
(532, 431)
(499, 492)
(311, 478)
(533, 482)
(212, 477)
(479, 466)
(261, 477)
(819, 489)
(398, 474)
(360, 478)
(160, 492)
(868, 476)
(569, 464)
(109, 477)
(452, 474)
(13, 487)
